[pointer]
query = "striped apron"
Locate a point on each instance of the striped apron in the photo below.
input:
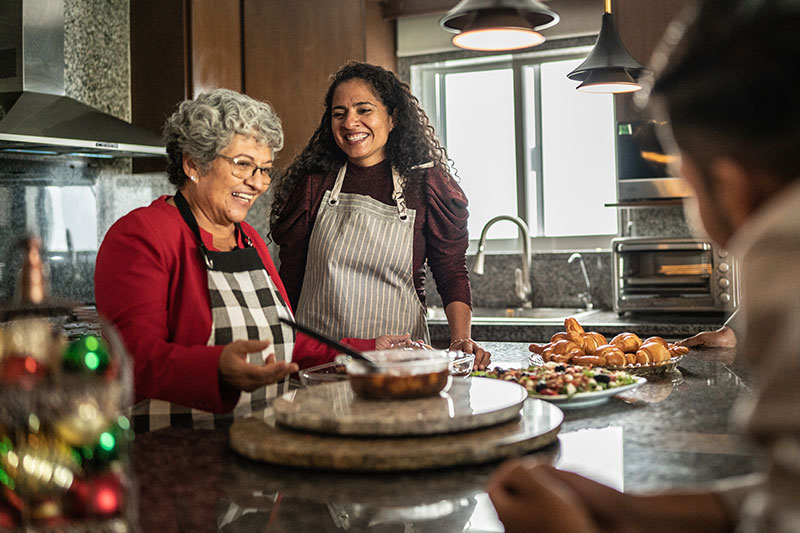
(244, 305)
(359, 271)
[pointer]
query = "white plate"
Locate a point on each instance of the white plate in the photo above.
(587, 399)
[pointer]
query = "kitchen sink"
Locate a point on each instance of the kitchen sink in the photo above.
(514, 314)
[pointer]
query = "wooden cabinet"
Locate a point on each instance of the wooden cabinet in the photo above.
(292, 48)
(275, 50)
(179, 49)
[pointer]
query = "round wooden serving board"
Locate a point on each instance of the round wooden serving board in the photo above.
(466, 404)
(537, 427)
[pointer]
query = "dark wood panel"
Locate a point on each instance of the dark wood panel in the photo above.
(216, 45)
(290, 51)
(159, 66)
(159, 77)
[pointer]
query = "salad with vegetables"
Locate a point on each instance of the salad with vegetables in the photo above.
(555, 379)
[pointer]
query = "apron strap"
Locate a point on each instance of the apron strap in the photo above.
(191, 221)
(397, 190)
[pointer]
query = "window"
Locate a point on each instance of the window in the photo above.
(525, 142)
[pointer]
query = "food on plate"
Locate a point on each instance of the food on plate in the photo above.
(579, 347)
(554, 379)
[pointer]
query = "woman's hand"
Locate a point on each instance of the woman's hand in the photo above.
(387, 342)
(482, 357)
(724, 337)
(241, 375)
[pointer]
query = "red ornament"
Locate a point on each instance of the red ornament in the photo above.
(106, 495)
(22, 370)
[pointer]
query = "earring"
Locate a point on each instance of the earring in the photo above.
(193, 178)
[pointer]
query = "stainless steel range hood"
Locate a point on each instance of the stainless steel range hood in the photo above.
(35, 115)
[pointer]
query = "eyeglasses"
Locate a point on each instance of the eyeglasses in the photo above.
(244, 168)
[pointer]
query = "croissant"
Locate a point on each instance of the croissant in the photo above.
(567, 335)
(547, 353)
(659, 340)
(630, 358)
(589, 360)
(537, 348)
(561, 358)
(590, 341)
(677, 349)
(652, 352)
(612, 354)
(565, 347)
(627, 342)
(571, 324)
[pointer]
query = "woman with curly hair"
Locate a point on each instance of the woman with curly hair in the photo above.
(362, 209)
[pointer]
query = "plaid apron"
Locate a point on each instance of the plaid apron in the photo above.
(245, 304)
(359, 279)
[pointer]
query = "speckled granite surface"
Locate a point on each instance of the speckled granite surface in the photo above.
(666, 434)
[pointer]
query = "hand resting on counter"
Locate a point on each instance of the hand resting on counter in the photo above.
(723, 337)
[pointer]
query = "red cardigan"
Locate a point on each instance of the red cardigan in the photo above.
(151, 284)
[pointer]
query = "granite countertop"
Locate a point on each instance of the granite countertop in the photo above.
(671, 432)
(672, 326)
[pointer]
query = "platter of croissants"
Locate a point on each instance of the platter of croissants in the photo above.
(626, 351)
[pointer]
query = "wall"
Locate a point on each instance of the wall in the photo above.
(45, 195)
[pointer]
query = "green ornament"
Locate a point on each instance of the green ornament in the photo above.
(89, 354)
(111, 444)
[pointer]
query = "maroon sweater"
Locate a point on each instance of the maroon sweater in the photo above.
(440, 227)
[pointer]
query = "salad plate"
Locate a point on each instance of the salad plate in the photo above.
(588, 399)
(567, 385)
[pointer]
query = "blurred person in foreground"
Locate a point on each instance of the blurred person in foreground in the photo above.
(736, 123)
(191, 286)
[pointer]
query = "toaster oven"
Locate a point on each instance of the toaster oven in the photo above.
(673, 274)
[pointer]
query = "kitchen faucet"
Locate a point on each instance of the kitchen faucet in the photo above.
(522, 277)
(585, 297)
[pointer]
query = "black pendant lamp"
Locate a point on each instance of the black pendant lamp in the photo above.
(609, 68)
(494, 25)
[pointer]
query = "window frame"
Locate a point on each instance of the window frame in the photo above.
(427, 74)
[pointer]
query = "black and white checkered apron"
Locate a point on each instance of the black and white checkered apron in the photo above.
(245, 304)
(359, 277)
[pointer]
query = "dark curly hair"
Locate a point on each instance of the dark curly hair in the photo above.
(411, 142)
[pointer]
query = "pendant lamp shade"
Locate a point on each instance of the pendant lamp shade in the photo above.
(493, 25)
(609, 68)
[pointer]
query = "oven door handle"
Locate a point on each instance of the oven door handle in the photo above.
(630, 247)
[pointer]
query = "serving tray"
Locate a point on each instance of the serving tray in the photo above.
(536, 427)
(466, 404)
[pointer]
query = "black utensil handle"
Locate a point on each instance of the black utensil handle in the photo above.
(324, 338)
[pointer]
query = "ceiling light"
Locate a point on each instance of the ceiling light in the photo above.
(609, 68)
(494, 25)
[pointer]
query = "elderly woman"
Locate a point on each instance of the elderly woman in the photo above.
(191, 286)
(361, 211)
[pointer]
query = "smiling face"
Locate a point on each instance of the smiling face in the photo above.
(219, 198)
(360, 123)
